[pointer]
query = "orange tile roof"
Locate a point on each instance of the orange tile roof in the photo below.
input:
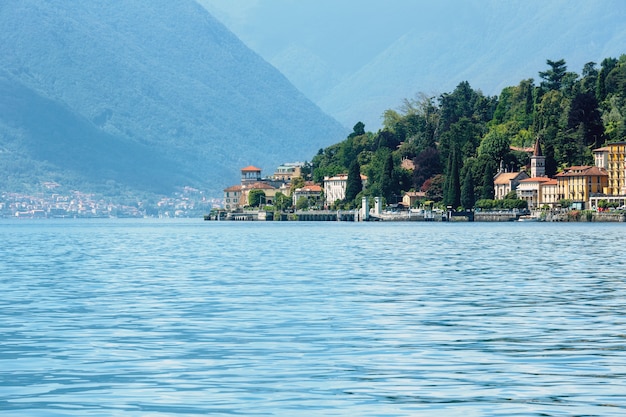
(250, 168)
(311, 188)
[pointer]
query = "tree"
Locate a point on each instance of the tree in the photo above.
(589, 78)
(452, 186)
(387, 180)
(296, 182)
(585, 114)
(427, 164)
(467, 191)
(302, 203)
(255, 198)
(606, 67)
(487, 186)
(353, 184)
(433, 187)
(358, 129)
(281, 201)
(553, 77)
(495, 144)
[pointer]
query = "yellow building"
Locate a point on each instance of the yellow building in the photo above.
(615, 168)
(287, 172)
(579, 183)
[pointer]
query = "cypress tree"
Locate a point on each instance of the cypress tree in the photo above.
(353, 184)
(452, 191)
(487, 188)
(467, 192)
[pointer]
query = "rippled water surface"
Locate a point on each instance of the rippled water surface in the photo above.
(164, 318)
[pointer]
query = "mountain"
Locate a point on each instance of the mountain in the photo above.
(371, 54)
(491, 51)
(141, 96)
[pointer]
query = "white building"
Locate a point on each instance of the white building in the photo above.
(335, 187)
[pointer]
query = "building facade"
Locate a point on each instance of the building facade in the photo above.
(335, 187)
(579, 183)
(615, 168)
(505, 182)
(309, 191)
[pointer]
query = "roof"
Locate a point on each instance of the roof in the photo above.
(259, 185)
(250, 168)
(520, 149)
(536, 179)
(583, 171)
(506, 177)
(537, 150)
(342, 177)
(314, 188)
(233, 188)
(408, 164)
(604, 149)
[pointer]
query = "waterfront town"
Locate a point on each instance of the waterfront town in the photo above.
(50, 202)
(591, 188)
(588, 188)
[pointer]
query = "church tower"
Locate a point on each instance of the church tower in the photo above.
(537, 162)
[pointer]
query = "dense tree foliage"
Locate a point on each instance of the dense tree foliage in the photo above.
(458, 141)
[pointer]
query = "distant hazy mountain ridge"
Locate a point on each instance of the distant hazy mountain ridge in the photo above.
(145, 95)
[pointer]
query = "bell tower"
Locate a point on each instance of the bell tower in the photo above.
(537, 162)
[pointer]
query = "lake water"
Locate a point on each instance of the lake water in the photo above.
(193, 318)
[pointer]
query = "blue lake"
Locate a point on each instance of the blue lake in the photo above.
(193, 318)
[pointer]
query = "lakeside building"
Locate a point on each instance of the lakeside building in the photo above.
(232, 197)
(236, 196)
(310, 191)
(505, 182)
(410, 198)
(335, 187)
(288, 172)
(538, 190)
(250, 174)
(611, 158)
(535, 192)
(601, 157)
(615, 167)
(580, 183)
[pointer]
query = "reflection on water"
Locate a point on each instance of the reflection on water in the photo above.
(151, 318)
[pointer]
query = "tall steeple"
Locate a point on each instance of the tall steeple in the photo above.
(537, 162)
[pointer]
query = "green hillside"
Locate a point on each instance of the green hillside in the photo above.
(459, 140)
